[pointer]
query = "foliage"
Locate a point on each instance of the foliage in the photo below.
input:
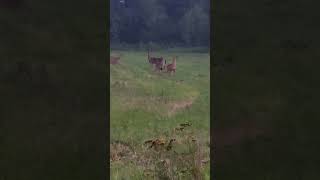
(160, 21)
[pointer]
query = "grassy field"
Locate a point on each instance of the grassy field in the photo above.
(150, 105)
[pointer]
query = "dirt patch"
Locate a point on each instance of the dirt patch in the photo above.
(120, 150)
(120, 84)
(151, 104)
(158, 105)
(176, 106)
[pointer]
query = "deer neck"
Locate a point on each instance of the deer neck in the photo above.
(174, 62)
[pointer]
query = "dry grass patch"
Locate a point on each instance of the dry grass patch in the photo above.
(121, 151)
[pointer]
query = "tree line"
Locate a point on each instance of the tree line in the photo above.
(179, 22)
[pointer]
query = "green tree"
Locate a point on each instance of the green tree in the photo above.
(160, 21)
(194, 27)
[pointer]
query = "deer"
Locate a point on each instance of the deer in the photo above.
(160, 65)
(114, 60)
(172, 67)
(157, 62)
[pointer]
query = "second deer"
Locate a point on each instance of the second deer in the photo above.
(172, 67)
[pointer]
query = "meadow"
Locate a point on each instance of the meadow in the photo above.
(145, 105)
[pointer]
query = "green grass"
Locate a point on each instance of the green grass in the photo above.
(140, 101)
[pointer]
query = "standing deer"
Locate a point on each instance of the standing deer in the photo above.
(172, 67)
(114, 60)
(157, 62)
(160, 65)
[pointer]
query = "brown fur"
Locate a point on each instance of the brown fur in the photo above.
(172, 67)
(114, 60)
(157, 62)
(160, 65)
